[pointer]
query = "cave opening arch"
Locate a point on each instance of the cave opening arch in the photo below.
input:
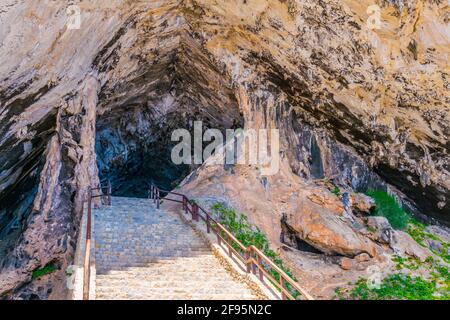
(136, 117)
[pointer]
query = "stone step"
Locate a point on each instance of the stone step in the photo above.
(157, 273)
(193, 273)
(184, 270)
(145, 253)
(192, 287)
(159, 295)
(211, 282)
(162, 279)
(174, 289)
(175, 261)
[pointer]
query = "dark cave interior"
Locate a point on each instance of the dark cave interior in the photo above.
(136, 119)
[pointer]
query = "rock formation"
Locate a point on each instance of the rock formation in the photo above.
(364, 107)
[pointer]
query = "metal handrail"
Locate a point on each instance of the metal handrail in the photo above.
(253, 258)
(87, 253)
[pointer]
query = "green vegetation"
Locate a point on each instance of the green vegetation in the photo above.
(403, 286)
(386, 206)
(396, 287)
(417, 231)
(437, 272)
(336, 191)
(47, 269)
(414, 279)
(407, 263)
(249, 234)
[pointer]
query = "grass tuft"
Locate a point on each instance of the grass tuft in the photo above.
(336, 191)
(404, 286)
(47, 269)
(396, 287)
(386, 206)
(418, 232)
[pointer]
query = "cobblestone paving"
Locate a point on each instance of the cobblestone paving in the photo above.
(145, 253)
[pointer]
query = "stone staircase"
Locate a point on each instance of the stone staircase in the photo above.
(145, 253)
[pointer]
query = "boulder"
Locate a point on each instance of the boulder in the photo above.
(403, 244)
(328, 232)
(382, 229)
(346, 263)
(326, 199)
(361, 203)
(363, 257)
(434, 245)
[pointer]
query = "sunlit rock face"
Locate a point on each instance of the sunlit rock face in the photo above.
(382, 92)
(367, 108)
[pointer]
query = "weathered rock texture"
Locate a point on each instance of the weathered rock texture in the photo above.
(367, 108)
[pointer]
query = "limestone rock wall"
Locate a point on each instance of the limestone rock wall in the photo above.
(49, 231)
(369, 88)
(369, 107)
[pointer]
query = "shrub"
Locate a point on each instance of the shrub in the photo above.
(403, 286)
(47, 269)
(248, 235)
(396, 287)
(336, 191)
(418, 232)
(386, 206)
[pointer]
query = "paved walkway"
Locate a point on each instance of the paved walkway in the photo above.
(145, 253)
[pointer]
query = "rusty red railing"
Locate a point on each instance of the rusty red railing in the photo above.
(254, 260)
(106, 199)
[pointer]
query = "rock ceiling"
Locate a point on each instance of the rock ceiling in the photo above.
(382, 95)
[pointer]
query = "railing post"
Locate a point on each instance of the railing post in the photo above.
(208, 227)
(185, 205)
(154, 194)
(247, 258)
(195, 211)
(254, 266)
(109, 193)
(261, 274)
(87, 254)
(230, 242)
(283, 286)
(158, 199)
(219, 240)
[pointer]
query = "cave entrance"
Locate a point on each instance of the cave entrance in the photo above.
(132, 153)
(136, 118)
(289, 237)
